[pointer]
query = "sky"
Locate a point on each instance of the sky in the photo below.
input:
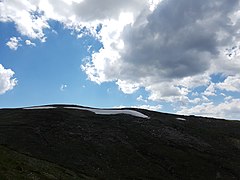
(176, 56)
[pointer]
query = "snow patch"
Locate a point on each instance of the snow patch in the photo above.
(41, 107)
(98, 111)
(112, 111)
(181, 119)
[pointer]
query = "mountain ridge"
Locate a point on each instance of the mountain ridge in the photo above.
(122, 146)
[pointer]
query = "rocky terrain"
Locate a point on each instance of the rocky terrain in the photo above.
(73, 142)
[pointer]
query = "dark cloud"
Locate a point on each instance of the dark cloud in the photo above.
(179, 43)
(180, 37)
(90, 10)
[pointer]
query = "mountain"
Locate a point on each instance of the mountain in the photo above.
(75, 142)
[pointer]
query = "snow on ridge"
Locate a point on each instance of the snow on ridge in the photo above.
(41, 107)
(112, 111)
(181, 119)
(97, 111)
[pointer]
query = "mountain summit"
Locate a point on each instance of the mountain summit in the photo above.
(75, 142)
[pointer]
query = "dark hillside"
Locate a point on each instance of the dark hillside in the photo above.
(86, 145)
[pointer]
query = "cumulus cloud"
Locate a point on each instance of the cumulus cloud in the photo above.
(167, 91)
(14, 43)
(92, 10)
(29, 43)
(127, 87)
(145, 106)
(174, 40)
(31, 17)
(149, 107)
(228, 109)
(140, 98)
(231, 83)
(163, 48)
(26, 15)
(7, 82)
(210, 91)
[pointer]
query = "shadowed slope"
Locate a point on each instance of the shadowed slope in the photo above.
(123, 146)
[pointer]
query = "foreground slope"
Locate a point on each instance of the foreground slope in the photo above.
(14, 165)
(87, 145)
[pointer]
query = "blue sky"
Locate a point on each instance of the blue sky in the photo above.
(164, 55)
(50, 72)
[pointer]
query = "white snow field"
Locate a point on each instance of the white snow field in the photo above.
(97, 111)
(41, 107)
(112, 111)
(181, 119)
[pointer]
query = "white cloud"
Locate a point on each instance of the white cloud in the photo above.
(231, 83)
(14, 43)
(149, 107)
(26, 15)
(140, 98)
(127, 87)
(31, 17)
(153, 4)
(196, 100)
(229, 110)
(222, 94)
(63, 87)
(29, 43)
(168, 92)
(195, 94)
(210, 91)
(228, 98)
(7, 82)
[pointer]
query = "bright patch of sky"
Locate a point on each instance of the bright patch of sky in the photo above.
(164, 55)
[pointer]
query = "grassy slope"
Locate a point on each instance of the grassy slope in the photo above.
(14, 165)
